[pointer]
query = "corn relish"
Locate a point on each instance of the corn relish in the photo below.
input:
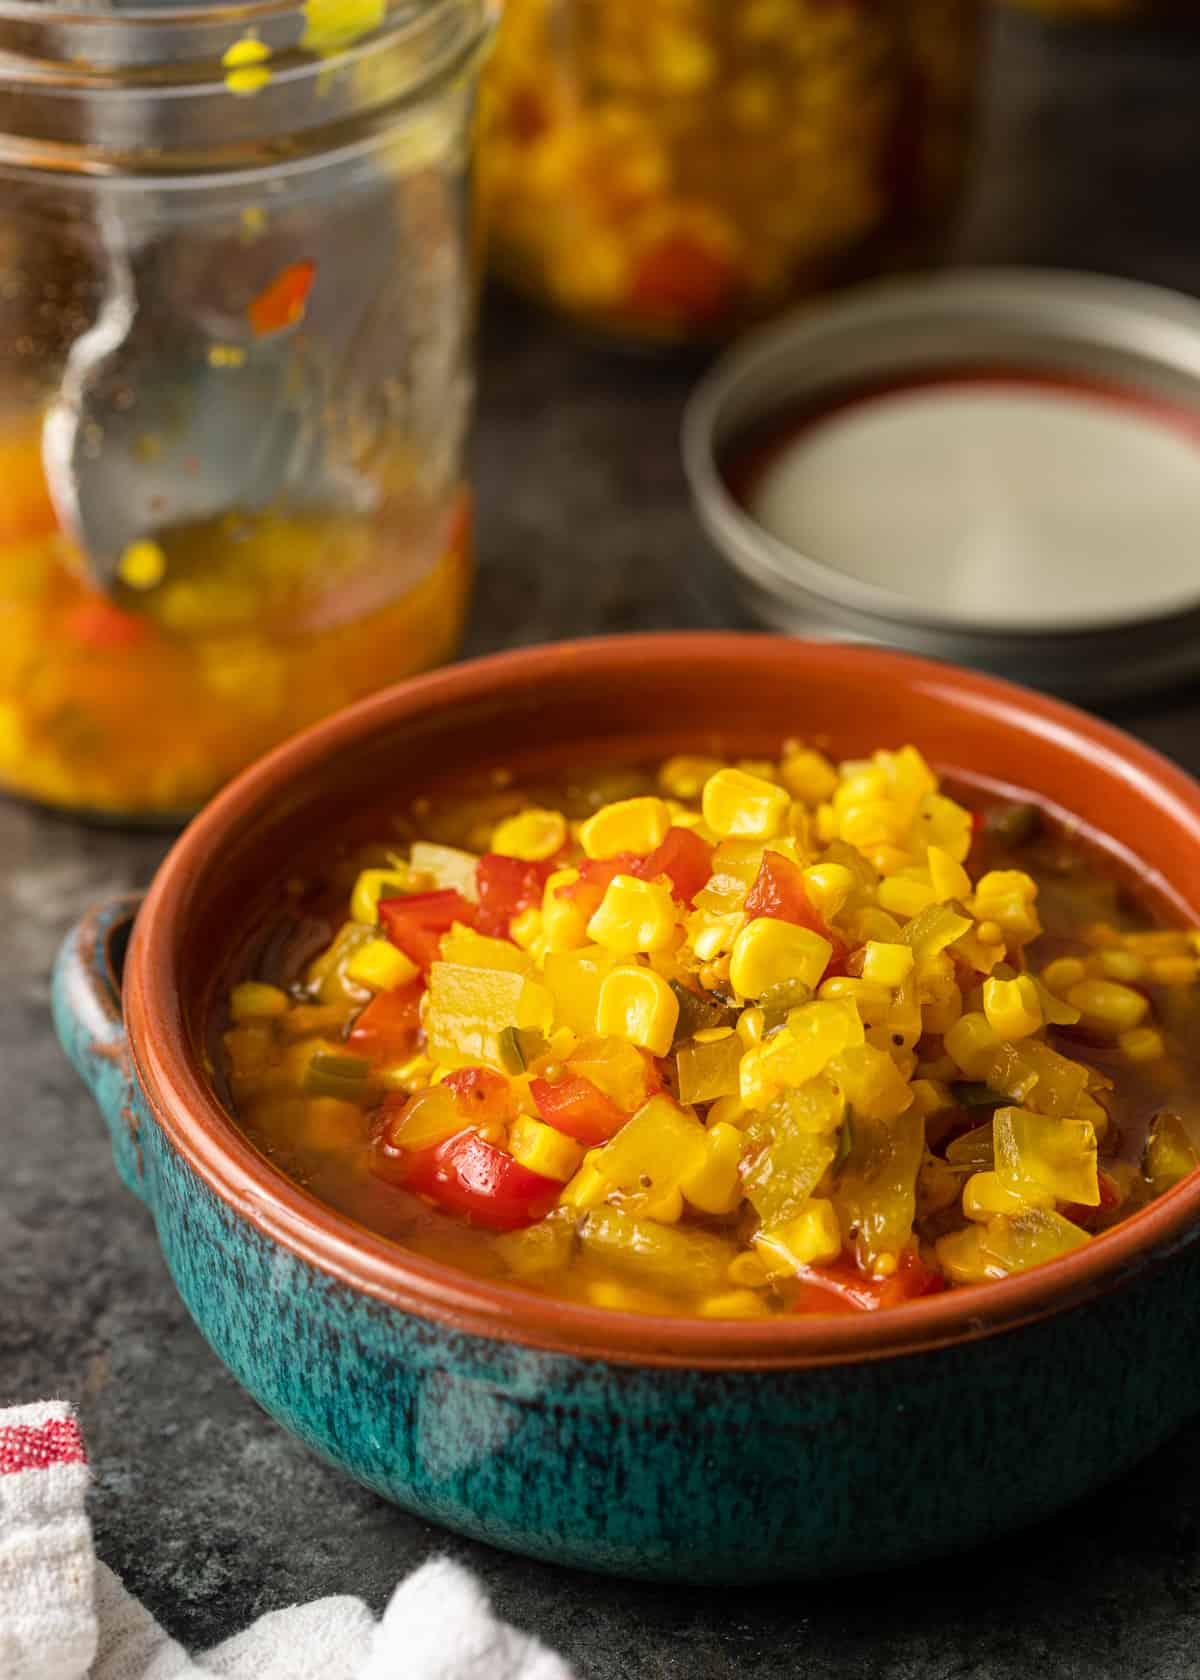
(670, 169)
(733, 1039)
(213, 646)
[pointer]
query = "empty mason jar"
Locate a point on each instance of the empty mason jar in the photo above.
(236, 302)
(673, 169)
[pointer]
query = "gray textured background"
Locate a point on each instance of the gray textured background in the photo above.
(1091, 158)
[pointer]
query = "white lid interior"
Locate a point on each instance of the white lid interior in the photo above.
(998, 500)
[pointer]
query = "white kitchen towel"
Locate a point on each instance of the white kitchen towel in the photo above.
(65, 1616)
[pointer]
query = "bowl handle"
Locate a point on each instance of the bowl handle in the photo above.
(86, 992)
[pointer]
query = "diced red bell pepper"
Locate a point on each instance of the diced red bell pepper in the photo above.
(482, 1095)
(683, 279)
(283, 302)
(506, 887)
(577, 1108)
(595, 874)
(417, 922)
(778, 890)
(842, 1288)
(102, 627)
(469, 1176)
(1079, 1213)
(684, 858)
(386, 1030)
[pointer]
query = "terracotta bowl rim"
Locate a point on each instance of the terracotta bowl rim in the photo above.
(199, 1129)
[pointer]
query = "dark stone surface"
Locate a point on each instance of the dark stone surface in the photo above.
(206, 1508)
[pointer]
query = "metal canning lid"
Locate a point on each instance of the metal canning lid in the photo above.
(1000, 468)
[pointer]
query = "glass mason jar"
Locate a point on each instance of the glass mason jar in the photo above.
(237, 288)
(671, 169)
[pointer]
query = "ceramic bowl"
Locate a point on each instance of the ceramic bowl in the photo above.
(673, 1448)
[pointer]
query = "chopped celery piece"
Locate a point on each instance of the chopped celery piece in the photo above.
(541, 1248)
(699, 1012)
(708, 1071)
(1038, 1152)
(655, 1150)
(975, 1149)
(788, 1153)
(969, 1093)
(681, 1262)
(331, 1075)
(1170, 1152)
(1029, 1239)
(469, 1008)
(876, 1191)
(446, 866)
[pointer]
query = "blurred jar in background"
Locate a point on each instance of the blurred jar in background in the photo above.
(1099, 11)
(236, 299)
(673, 169)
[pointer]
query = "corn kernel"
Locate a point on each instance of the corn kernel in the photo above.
(629, 825)
(543, 1150)
(807, 774)
(1174, 971)
(734, 1303)
(254, 1000)
(381, 966)
(873, 1002)
(970, 1040)
(947, 875)
(588, 1188)
(1012, 1007)
(445, 867)
(525, 930)
(634, 916)
(411, 1075)
(531, 835)
(985, 1195)
(1008, 896)
(684, 776)
(374, 884)
(726, 1111)
(623, 1297)
(637, 1004)
(714, 1187)
(1107, 1005)
(564, 922)
(886, 964)
(711, 933)
(769, 951)
(746, 1271)
(248, 1050)
(1142, 1044)
(735, 803)
(749, 1027)
(904, 896)
(1116, 964)
(1063, 973)
(828, 886)
(812, 1238)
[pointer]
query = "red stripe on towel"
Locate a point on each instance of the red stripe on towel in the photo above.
(25, 1446)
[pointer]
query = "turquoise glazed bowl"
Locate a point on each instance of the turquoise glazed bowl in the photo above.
(669, 1448)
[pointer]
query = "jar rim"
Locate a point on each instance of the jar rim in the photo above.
(152, 90)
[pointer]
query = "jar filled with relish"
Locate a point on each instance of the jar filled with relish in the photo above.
(236, 302)
(674, 169)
